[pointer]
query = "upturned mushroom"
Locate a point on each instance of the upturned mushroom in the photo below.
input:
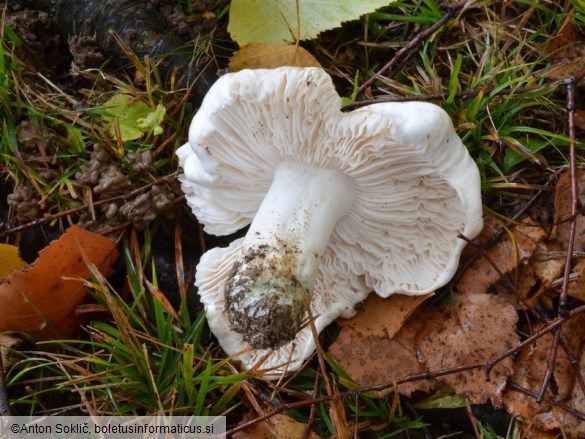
(338, 204)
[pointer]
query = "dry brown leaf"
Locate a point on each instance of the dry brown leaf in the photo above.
(580, 119)
(41, 299)
(475, 329)
(371, 357)
(529, 370)
(7, 342)
(572, 426)
(547, 270)
(567, 51)
(262, 56)
(523, 279)
(384, 317)
(534, 433)
(563, 211)
(534, 279)
(506, 255)
(276, 427)
(577, 289)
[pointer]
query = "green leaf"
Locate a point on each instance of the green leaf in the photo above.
(151, 123)
(275, 21)
(134, 117)
(9, 260)
(442, 399)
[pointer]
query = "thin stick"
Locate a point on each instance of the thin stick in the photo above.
(562, 308)
(452, 9)
(49, 218)
(5, 409)
(486, 366)
(464, 94)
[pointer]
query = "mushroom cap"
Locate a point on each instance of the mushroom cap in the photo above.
(417, 188)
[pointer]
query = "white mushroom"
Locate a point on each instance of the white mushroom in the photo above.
(339, 204)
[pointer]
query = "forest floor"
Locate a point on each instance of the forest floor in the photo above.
(135, 340)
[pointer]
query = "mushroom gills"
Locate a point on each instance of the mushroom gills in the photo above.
(270, 288)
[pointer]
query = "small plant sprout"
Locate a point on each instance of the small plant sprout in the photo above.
(339, 204)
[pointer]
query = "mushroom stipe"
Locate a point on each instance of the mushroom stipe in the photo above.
(338, 204)
(266, 303)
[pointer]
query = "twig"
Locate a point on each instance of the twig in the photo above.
(562, 307)
(464, 94)
(574, 193)
(498, 235)
(514, 386)
(5, 409)
(452, 9)
(312, 413)
(557, 341)
(48, 218)
(486, 366)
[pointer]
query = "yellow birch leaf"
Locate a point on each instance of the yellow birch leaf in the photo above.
(275, 21)
(9, 260)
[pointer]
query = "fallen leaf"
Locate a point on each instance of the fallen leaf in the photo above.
(9, 260)
(133, 117)
(275, 21)
(529, 370)
(580, 119)
(41, 299)
(567, 52)
(512, 248)
(577, 289)
(534, 280)
(572, 426)
(548, 269)
(477, 328)
(443, 398)
(370, 355)
(8, 342)
(276, 427)
(384, 317)
(262, 56)
(563, 211)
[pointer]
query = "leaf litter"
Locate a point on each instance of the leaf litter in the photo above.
(518, 265)
(41, 299)
(528, 266)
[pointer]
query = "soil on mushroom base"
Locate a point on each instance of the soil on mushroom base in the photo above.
(266, 303)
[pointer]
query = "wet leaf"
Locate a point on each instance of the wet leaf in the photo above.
(9, 260)
(262, 56)
(475, 329)
(41, 299)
